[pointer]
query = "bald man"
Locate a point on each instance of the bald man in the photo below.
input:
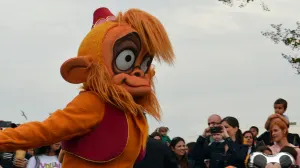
(197, 155)
(214, 120)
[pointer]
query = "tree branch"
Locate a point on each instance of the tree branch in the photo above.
(288, 37)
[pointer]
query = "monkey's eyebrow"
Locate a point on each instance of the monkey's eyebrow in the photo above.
(134, 37)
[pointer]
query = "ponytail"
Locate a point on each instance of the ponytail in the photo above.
(239, 137)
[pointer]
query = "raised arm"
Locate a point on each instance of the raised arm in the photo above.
(201, 150)
(286, 121)
(77, 118)
(271, 117)
(267, 124)
(61, 156)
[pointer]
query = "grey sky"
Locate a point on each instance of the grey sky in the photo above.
(224, 65)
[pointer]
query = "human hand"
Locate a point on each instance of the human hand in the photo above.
(206, 132)
(206, 161)
(20, 163)
(224, 132)
(61, 156)
(273, 116)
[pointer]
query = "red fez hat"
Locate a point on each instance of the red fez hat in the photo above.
(102, 15)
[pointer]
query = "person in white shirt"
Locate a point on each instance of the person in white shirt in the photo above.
(46, 156)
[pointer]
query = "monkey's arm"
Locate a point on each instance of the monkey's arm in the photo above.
(77, 118)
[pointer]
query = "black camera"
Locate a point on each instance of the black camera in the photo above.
(216, 130)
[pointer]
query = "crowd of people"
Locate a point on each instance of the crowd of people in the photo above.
(222, 144)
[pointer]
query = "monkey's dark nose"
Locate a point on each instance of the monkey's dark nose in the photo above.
(137, 74)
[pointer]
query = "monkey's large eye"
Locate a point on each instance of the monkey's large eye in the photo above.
(125, 60)
(146, 63)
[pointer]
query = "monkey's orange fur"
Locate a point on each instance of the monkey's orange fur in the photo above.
(92, 67)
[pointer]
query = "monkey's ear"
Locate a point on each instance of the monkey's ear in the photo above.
(76, 70)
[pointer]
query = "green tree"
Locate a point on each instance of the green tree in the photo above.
(290, 38)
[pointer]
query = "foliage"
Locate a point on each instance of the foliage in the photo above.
(290, 38)
(244, 3)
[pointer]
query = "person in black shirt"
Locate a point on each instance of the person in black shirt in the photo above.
(158, 155)
(7, 160)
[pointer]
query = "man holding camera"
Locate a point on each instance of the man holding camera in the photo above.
(213, 127)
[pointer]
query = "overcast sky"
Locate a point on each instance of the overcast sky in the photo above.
(224, 65)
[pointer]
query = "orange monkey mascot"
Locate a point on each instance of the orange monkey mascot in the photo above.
(104, 126)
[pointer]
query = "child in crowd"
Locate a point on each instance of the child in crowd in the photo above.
(156, 135)
(46, 156)
(164, 134)
(280, 106)
(217, 146)
(217, 137)
(265, 150)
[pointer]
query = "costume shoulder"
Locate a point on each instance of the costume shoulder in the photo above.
(86, 101)
(79, 117)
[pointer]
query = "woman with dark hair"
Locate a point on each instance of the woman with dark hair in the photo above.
(232, 126)
(178, 148)
(233, 129)
(46, 156)
(249, 141)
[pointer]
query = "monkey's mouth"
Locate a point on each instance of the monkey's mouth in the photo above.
(136, 86)
(133, 84)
